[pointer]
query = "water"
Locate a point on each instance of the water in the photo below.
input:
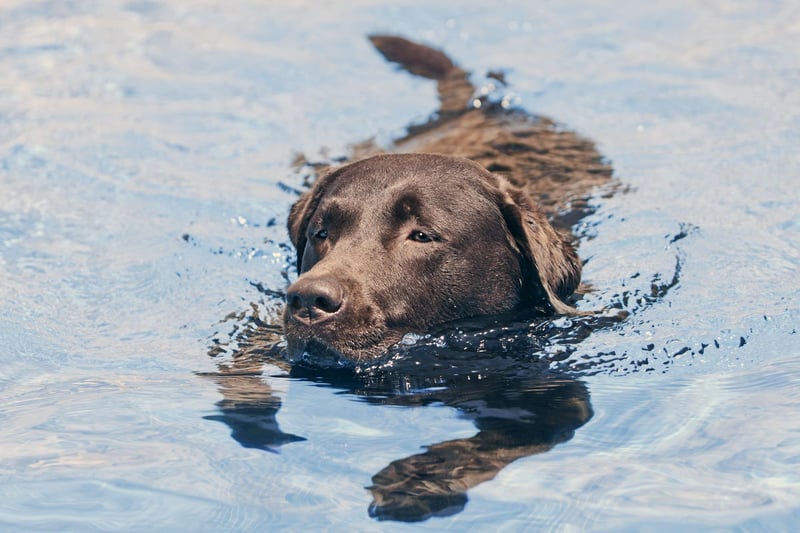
(146, 156)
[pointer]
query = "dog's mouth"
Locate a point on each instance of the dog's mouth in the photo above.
(306, 348)
(313, 352)
(351, 338)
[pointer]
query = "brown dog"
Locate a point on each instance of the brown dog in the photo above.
(402, 241)
(398, 243)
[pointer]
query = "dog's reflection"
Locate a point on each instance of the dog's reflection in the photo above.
(518, 407)
(249, 407)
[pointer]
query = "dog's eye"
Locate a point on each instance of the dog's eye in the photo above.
(321, 234)
(419, 236)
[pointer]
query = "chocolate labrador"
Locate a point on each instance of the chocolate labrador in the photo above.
(452, 222)
(466, 216)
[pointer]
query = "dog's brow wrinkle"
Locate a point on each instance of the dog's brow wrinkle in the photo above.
(407, 206)
(335, 214)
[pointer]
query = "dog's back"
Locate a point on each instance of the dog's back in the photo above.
(556, 167)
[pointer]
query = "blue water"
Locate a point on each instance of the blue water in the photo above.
(146, 170)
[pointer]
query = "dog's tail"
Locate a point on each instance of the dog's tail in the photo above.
(455, 90)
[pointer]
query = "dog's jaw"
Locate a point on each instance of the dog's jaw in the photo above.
(304, 345)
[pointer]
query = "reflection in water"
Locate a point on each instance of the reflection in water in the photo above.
(519, 406)
(516, 416)
(249, 407)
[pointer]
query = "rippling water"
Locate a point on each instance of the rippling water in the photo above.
(146, 169)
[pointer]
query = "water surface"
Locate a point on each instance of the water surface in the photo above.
(146, 156)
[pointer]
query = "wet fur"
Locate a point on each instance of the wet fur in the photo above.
(497, 184)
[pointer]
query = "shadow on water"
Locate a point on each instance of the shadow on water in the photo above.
(517, 403)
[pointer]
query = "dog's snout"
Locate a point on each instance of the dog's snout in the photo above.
(314, 300)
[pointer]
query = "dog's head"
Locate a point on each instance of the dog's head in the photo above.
(397, 244)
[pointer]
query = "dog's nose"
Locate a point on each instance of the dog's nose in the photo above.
(314, 300)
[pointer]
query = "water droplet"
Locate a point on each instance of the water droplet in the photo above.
(410, 339)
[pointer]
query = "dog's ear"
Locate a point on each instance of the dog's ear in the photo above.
(550, 266)
(303, 209)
